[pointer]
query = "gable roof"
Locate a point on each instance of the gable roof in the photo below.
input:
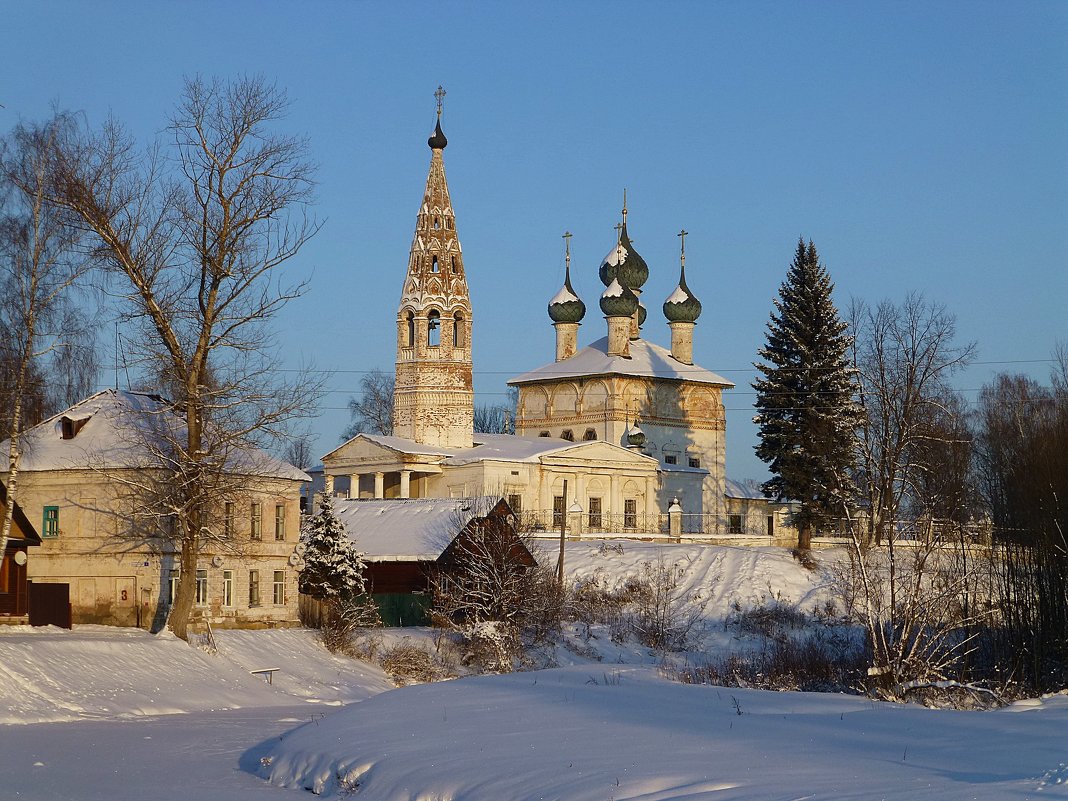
(114, 429)
(407, 530)
(647, 360)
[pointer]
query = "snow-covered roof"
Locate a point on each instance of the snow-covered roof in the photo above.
(114, 429)
(488, 447)
(739, 489)
(407, 530)
(646, 360)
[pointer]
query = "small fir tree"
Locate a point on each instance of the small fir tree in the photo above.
(333, 567)
(806, 400)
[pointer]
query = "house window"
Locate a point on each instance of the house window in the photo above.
(516, 502)
(734, 524)
(228, 519)
(558, 511)
(202, 587)
(771, 525)
(253, 588)
(671, 458)
(590, 435)
(50, 528)
(255, 522)
(280, 521)
(567, 434)
(630, 513)
(172, 585)
(279, 587)
(228, 588)
(595, 513)
(695, 462)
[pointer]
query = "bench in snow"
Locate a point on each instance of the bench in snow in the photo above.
(268, 673)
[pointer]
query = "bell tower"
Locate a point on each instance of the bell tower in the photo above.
(433, 403)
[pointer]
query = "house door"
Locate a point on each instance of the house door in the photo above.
(13, 583)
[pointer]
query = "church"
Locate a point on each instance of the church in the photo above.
(608, 438)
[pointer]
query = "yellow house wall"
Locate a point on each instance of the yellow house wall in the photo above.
(118, 573)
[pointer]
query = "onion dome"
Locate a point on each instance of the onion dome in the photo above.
(682, 306)
(643, 313)
(618, 300)
(635, 436)
(624, 263)
(566, 306)
(438, 140)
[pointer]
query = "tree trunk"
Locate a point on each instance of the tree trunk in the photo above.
(804, 538)
(182, 608)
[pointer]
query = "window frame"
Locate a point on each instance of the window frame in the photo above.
(228, 589)
(254, 596)
(630, 513)
(255, 531)
(201, 598)
(228, 519)
(50, 525)
(734, 524)
(595, 514)
(278, 587)
(279, 522)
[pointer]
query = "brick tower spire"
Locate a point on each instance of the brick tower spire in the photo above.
(433, 403)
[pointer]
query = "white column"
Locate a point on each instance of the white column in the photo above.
(405, 485)
(329, 488)
(380, 485)
(354, 485)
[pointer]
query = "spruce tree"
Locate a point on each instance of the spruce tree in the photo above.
(806, 400)
(333, 567)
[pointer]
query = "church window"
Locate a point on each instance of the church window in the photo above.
(590, 435)
(437, 223)
(671, 458)
(434, 264)
(433, 329)
(595, 513)
(771, 525)
(734, 524)
(458, 330)
(411, 329)
(452, 263)
(630, 513)
(695, 461)
(567, 434)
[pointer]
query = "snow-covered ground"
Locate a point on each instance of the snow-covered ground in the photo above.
(102, 713)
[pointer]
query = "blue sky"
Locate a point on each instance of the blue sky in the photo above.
(922, 146)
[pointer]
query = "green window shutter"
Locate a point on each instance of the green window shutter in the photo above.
(50, 524)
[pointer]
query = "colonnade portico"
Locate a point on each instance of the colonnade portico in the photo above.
(395, 483)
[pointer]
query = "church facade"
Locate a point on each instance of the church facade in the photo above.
(608, 438)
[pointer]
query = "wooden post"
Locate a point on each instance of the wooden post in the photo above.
(563, 535)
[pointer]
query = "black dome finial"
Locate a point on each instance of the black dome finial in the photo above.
(438, 140)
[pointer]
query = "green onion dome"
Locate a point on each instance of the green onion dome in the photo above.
(682, 306)
(618, 300)
(566, 306)
(624, 263)
(643, 314)
(438, 140)
(635, 436)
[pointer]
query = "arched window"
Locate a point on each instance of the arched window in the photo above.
(411, 330)
(590, 435)
(452, 261)
(437, 223)
(433, 329)
(458, 330)
(434, 264)
(567, 434)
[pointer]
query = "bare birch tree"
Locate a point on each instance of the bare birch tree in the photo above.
(193, 234)
(914, 594)
(39, 264)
